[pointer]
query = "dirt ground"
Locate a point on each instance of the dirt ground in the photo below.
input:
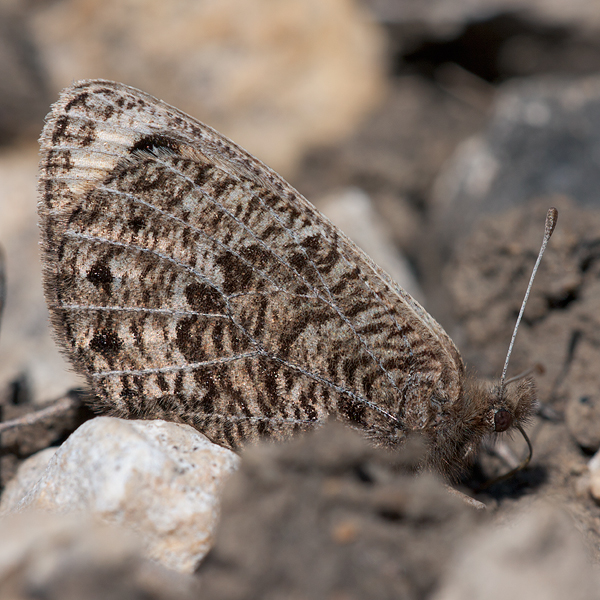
(560, 331)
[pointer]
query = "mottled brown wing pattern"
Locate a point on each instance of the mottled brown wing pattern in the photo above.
(188, 281)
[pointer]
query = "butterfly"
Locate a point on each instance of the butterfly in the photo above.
(188, 281)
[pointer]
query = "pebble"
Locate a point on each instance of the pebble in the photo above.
(161, 480)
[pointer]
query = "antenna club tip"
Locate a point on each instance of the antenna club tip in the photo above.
(551, 220)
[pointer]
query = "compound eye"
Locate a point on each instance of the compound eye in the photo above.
(502, 420)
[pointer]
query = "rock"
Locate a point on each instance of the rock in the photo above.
(396, 154)
(594, 477)
(541, 141)
(29, 473)
(583, 420)
(59, 557)
(354, 214)
(448, 18)
(540, 554)
(582, 486)
(276, 78)
(161, 480)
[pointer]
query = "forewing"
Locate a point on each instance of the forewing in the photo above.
(188, 281)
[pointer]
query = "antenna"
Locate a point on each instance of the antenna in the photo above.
(551, 220)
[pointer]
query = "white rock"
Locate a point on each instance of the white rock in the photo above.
(29, 473)
(594, 477)
(162, 480)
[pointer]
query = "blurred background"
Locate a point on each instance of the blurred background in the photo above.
(435, 133)
(402, 120)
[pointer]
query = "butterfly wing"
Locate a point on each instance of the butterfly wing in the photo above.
(188, 281)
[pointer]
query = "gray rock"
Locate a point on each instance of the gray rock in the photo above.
(329, 516)
(447, 17)
(542, 140)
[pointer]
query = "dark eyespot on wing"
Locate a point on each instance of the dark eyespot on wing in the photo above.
(100, 276)
(136, 224)
(107, 343)
(153, 143)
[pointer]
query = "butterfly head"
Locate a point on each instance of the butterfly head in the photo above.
(512, 404)
(485, 409)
